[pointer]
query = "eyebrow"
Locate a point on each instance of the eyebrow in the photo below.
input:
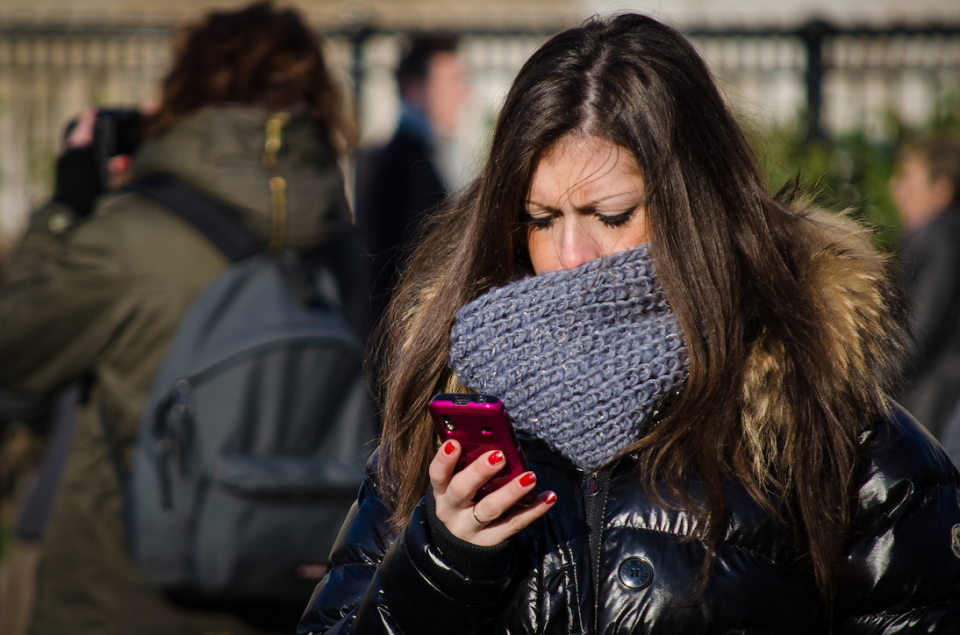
(593, 204)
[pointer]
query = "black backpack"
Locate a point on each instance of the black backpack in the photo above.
(254, 439)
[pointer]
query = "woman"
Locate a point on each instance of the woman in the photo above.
(697, 371)
(101, 296)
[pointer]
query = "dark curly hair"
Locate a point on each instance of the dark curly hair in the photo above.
(257, 55)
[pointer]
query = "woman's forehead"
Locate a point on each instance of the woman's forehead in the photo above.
(584, 166)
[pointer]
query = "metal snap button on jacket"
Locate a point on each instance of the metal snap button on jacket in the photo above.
(635, 573)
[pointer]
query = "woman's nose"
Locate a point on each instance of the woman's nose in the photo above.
(577, 245)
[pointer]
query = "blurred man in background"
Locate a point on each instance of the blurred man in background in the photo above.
(926, 188)
(401, 181)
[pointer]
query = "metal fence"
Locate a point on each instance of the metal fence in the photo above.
(843, 78)
(838, 79)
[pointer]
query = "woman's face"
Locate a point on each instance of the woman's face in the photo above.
(586, 201)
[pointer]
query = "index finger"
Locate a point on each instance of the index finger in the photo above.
(443, 465)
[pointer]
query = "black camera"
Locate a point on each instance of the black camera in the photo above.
(116, 131)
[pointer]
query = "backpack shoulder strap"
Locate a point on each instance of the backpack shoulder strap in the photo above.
(221, 227)
(36, 510)
(210, 217)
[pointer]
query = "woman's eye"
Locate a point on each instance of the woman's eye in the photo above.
(616, 220)
(540, 221)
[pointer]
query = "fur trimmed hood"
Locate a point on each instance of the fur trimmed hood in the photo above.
(856, 347)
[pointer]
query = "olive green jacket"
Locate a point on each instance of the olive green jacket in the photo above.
(100, 299)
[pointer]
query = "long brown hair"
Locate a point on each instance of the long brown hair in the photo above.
(257, 55)
(731, 258)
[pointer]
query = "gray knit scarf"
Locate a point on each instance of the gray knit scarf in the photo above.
(581, 358)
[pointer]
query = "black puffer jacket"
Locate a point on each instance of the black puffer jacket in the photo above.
(904, 548)
(905, 556)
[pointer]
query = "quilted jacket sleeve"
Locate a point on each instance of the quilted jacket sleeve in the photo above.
(379, 584)
(906, 556)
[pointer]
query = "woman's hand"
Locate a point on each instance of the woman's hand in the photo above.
(491, 521)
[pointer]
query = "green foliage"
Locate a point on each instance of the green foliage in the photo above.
(850, 170)
(41, 166)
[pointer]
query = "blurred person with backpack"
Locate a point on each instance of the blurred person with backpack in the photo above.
(926, 189)
(250, 122)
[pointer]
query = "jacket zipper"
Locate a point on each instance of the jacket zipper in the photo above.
(595, 503)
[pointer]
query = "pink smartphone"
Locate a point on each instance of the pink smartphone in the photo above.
(480, 424)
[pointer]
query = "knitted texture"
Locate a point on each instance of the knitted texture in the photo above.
(581, 358)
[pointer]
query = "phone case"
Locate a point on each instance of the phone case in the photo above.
(480, 424)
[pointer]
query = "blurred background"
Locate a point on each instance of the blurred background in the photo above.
(828, 89)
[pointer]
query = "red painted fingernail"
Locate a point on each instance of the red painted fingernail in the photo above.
(448, 447)
(528, 479)
(550, 498)
(496, 457)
